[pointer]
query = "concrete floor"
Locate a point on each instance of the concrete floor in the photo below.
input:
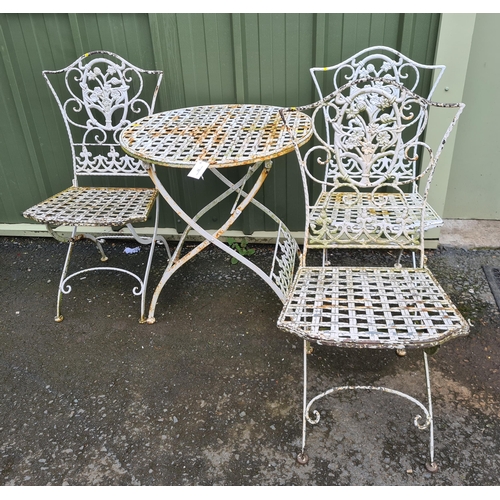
(211, 393)
(470, 233)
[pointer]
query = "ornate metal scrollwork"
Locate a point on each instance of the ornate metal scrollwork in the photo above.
(285, 258)
(104, 95)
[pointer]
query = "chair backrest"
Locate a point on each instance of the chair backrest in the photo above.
(375, 132)
(98, 95)
(377, 62)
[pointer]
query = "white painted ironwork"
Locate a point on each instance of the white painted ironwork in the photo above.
(103, 94)
(392, 66)
(86, 206)
(376, 136)
(370, 308)
(100, 94)
(285, 257)
(375, 62)
(222, 136)
(422, 423)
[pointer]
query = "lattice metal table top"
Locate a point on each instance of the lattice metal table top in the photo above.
(222, 135)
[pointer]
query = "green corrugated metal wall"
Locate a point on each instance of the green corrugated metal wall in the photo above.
(207, 59)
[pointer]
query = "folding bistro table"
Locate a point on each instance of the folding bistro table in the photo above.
(211, 138)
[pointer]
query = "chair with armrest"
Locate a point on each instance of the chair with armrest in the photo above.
(376, 134)
(389, 66)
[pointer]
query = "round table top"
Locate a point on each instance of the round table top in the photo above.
(221, 135)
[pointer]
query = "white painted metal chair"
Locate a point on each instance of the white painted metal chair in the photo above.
(98, 95)
(392, 66)
(376, 135)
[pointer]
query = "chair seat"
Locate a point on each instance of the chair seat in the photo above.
(371, 220)
(90, 206)
(370, 307)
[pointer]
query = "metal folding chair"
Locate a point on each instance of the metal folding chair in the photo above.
(376, 136)
(98, 95)
(389, 64)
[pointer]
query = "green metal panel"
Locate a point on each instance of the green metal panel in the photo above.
(207, 59)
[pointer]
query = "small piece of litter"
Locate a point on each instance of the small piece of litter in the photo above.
(132, 250)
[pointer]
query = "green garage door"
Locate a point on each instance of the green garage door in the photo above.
(207, 59)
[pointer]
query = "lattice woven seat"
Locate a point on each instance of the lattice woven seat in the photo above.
(366, 219)
(86, 206)
(370, 307)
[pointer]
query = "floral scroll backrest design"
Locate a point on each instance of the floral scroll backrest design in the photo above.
(103, 94)
(380, 63)
(375, 132)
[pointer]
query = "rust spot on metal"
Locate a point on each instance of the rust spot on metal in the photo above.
(223, 135)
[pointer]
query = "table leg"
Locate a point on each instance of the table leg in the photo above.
(286, 248)
(216, 201)
(176, 262)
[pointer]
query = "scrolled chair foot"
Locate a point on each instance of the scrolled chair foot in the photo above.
(59, 318)
(302, 458)
(432, 466)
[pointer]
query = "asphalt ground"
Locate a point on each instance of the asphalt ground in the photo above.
(211, 394)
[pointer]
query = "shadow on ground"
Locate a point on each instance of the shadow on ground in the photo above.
(211, 393)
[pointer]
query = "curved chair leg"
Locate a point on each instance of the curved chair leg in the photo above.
(71, 242)
(154, 239)
(59, 317)
(74, 238)
(90, 237)
(140, 290)
(431, 466)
